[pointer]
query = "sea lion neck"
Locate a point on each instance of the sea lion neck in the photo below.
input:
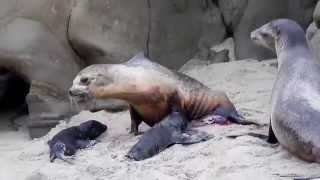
(290, 38)
(291, 46)
(294, 54)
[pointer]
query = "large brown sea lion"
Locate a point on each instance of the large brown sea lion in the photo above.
(149, 87)
(295, 104)
(171, 130)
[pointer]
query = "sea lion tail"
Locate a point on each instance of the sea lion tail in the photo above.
(57, 151)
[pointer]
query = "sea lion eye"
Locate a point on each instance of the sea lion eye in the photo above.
(84, 80)
(263, 34)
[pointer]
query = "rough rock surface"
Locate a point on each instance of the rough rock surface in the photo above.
(316, 14)
(213, 30)
(302, 11)
(313, 33)
(232, 11)
(113, 31)
(257, 13)
(243, 16)
(28, 47)
(313, 37)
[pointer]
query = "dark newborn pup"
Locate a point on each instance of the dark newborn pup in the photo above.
(69, 140)
(171, 130)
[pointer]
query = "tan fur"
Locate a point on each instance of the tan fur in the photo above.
(148, 88)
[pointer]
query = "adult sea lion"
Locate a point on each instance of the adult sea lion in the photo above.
(171, 130)
(295, 103)
(69, 140)
(148, 87)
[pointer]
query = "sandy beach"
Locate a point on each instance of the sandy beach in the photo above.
(248, 83)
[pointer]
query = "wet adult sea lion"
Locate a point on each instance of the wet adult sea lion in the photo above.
(148, 87)
(295, 104)
(69, 140)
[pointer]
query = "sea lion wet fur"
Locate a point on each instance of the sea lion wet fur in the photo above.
(69, 140)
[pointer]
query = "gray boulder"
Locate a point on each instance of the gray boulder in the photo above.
(316, 15)
(114, 31)
(232, 11)
(301, 11)
(243, 16)
(313, 33)
(213, 30)
(29, 48)
(313, 37)
(257, 13)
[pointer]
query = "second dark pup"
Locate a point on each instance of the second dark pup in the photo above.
(171, 130)
(69, 140)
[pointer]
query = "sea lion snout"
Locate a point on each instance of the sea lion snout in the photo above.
(138, 153)
(76, 90)
(264, 36)
(253, 36)
(79, 94)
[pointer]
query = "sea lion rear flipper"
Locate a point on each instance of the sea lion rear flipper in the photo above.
(191, 137)
(232, 115)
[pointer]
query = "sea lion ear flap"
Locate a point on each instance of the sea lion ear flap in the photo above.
(275, 29)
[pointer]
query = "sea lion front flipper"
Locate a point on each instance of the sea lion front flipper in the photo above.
(272, 139)
(191, 137)
(135, 121)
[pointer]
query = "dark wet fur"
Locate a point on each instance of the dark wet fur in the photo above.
(69, 140)
(164, 134)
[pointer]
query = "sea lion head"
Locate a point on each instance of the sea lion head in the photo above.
(264, 36)
(279, 34)
(81, 92)
(92, 129)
